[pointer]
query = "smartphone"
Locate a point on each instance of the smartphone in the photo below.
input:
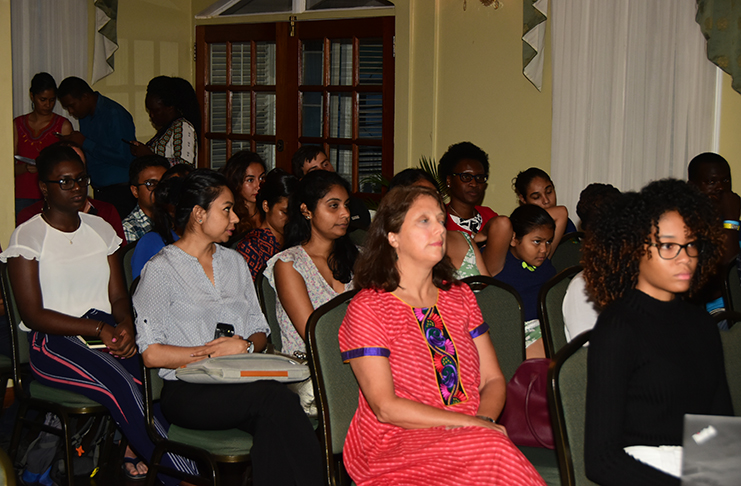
(58, 134)
(223, 330)
(127, 141)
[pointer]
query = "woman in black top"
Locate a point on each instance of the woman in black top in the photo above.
(653, 357)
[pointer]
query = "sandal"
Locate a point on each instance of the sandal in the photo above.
(135, 462)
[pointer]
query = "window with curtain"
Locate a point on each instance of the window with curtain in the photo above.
(47, 37)
(633, 93)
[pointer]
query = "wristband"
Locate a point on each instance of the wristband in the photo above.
(488, 419)
(731, 224)
(99, 328)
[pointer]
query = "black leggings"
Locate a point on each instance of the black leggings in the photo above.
(285, 450)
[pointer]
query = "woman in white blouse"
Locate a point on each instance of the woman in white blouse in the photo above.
(187, 292)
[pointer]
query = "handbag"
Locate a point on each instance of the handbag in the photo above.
(244, 368)
(526, 416)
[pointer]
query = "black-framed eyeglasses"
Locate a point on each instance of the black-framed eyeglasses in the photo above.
(68, 183)
(670, 251)
(466, 177)
(151, 184)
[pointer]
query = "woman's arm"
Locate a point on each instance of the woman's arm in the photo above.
(493, 387)
(66, 127)
(499, 236)
(24, 276)
(293, 296)
(374, 377)
(561, 216)
(120, 309)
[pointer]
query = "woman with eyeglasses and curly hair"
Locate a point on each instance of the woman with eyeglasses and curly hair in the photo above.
(653, 356)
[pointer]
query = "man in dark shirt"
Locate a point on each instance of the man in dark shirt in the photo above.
(104, 127)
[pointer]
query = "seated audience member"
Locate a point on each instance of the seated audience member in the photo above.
(465, 169)
(244, 173)
(101, 209)
(105, 126)
(311, 157)
(187, 289)
(63, 266)
(528, 265)
(261, 243)
(653, 357)
(413, 177)
(580, 311)
(317, 263)
(534, 186)
(463, 253)
(144, 174)
(426, 407)
(175, 114)
(711, 173)
(31, 133)
(163, 233)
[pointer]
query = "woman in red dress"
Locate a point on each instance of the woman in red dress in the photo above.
(33, 132)
(431, 386)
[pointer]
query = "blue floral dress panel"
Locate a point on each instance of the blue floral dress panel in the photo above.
(443, 353)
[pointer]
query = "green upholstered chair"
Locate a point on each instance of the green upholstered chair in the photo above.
(550, 310)
(33, 396)
(502, 310)
(127, 253)
(732, 288)
(568, 252)
(268, 301)
(567, 397)
(335, 388)
(731, 340)
(206, 447)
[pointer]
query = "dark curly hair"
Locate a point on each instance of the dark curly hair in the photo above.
(617, 239)
(309, 190)
(591, 200)
(376, 266)
(458, 152)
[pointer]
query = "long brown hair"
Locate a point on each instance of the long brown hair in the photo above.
(376, 265)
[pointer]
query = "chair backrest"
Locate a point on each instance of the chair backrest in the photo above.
(732, 288)
(731, 340)
(502, 310)
(550, 310)
(266, 296)
(568, 252)
(127, 253)
(335, 387)
(19, 344)
(567, 397)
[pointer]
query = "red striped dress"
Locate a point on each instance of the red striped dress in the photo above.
(434, 361)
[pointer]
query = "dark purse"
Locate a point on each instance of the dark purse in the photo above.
(526, 416)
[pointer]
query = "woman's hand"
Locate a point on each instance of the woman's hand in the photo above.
(119, 340)
(223, 346)
(139, 149)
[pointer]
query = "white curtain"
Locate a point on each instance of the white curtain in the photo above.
(633, 93)
(47, 36)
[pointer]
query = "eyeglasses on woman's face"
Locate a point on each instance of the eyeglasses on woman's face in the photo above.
(68, 183)
(466, 177)
(670, 251)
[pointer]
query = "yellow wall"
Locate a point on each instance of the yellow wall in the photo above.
(730, 126)
(7, 201)
(155, 37)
